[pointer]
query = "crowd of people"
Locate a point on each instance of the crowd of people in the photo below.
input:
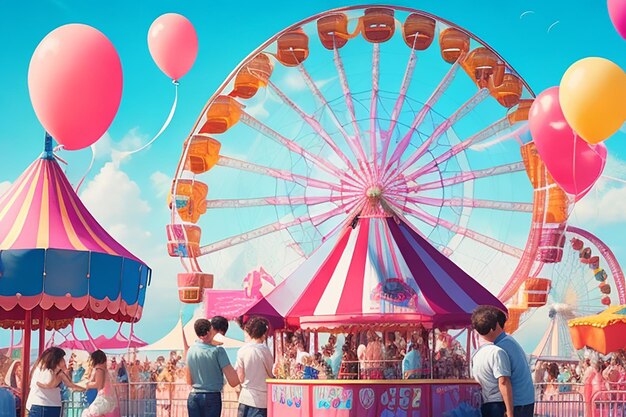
(369, 354)
(589, 377)
(195, 378)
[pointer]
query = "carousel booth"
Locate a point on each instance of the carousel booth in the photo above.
(400, 306)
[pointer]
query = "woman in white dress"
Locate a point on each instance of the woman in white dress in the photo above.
(105, 403)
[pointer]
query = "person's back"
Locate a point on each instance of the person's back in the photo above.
(50, 397)
(521, 379)
(256, 360)
(205, 363)
(490, 363)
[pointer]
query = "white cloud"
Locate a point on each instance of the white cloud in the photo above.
(258, 111)
(4, 185)
(108, 149)
(295, 82)
(615, 167)
(102, 147)
(115, 201)
(601, 206)
(161, 183)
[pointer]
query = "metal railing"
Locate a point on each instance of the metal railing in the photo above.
(610, 403)
(150, 399)
(392, 369)
(165, 399)
(559, 400)
(379, 369)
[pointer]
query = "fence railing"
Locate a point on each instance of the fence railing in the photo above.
(610, 403)
(579, 400)
(392, 369)
(559, 400)
(150, 399)
(165, 399)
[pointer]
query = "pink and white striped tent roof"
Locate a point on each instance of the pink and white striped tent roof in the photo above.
(380, 271)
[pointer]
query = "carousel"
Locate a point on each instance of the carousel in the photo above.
(397, 301)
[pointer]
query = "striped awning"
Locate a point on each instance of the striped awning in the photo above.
(380, 271)
(55, 257)
(604, 332)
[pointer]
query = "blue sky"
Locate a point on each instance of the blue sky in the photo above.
(136, 213)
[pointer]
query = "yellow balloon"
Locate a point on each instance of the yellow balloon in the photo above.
(593, 98)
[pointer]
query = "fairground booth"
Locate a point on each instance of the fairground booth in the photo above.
(391, 294)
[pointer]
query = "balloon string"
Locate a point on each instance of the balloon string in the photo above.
(574, 168)
(165, 125)
(623, 181)
(93, 158)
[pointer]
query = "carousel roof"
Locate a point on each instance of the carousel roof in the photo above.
(54, 255)
(376, 271)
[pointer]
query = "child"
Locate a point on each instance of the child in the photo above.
(105, 403)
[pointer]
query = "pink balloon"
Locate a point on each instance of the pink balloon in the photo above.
(75, 84)
(173, 44)
(617, 12)
(602, 152)
(574, 164)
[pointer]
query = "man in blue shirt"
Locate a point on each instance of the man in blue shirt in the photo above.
(521, 379)
(491, 367)
(207, 365)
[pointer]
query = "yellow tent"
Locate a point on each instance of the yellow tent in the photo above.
(604, 332)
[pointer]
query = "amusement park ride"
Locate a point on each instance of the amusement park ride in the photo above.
(382, 112)
(298, 138)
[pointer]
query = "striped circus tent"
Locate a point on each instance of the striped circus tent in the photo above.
(556, 344)
(56, 261)
(377, 271)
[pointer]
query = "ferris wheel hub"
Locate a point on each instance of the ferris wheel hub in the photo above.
(374, 191)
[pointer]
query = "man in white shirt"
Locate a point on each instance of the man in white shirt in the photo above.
(491, 367)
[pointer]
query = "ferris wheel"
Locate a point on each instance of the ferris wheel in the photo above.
(589, 277)
(586, 281)
(355, 105)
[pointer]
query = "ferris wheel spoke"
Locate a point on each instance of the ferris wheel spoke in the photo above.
(351, 208)
(318, 161)
(273, 201)
(419, 118)
(443, 249)
(317, 127)
(373, 106)
(281, 174)
(516, 134)
(589, 310)
(352, 143)
(442, 128)
(269, 228)
(395, 113)
(347, 95)
(463, 231)
(486, 133)
(469, 175)
(474, 203)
